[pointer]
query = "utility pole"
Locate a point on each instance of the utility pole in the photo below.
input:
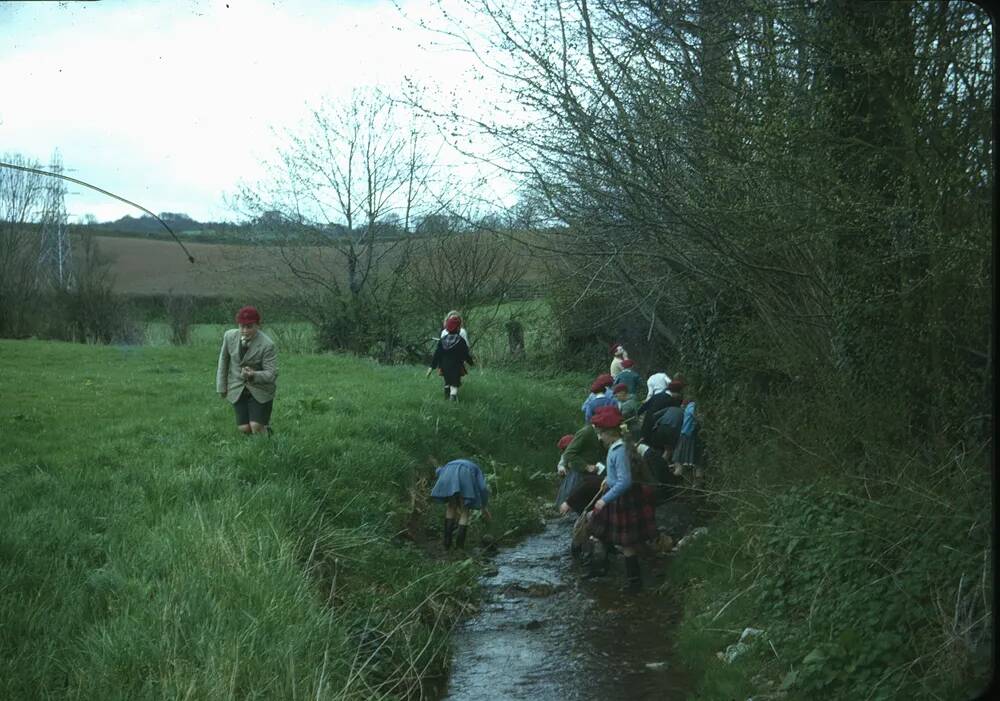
(55, 258)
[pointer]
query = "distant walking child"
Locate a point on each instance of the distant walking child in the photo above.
(460, 486)
(450, 356)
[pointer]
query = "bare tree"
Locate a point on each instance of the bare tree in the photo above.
(777, 161)
(477, 272)
(343, 195)
(22, 199)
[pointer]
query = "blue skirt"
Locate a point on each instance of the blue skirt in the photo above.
(461, 477)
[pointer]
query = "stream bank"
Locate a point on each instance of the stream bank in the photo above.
(544, 632)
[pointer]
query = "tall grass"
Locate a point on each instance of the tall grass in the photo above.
(151, 552)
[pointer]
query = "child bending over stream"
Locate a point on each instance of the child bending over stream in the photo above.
(460, 486)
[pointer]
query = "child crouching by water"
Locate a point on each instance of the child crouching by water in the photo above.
(624, 513)
(461, 486)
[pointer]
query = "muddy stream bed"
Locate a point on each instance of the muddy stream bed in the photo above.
(543, 632)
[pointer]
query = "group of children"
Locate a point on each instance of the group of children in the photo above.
(612, 464)
(610, 475)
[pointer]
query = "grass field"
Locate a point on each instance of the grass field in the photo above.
(143, 266)
(151, 552)
(490, 345)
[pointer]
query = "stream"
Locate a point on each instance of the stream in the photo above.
(543, 632)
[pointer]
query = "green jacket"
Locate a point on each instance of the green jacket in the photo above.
(585, 449)
(261, 356)
(629, 408)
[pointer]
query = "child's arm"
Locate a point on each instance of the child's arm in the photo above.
(623, 473)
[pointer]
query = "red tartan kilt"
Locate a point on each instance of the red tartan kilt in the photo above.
(629, 519)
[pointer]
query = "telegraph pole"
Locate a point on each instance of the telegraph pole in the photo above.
(55, 258)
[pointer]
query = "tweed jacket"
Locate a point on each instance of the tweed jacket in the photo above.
(261, 356)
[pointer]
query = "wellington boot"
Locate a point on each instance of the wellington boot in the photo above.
(633, 580)
(460, 536)
(447, 392)
(599, 562)
(449, 528)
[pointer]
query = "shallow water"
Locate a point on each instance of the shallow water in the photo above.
(545, 633)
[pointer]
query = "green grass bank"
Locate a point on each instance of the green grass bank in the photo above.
(151, 552)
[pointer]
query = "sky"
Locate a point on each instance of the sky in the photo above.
(171, 104)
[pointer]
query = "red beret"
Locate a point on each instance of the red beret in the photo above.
(676, 386)
(620, 387)
(565, 441)
(601, 382)
(614, 348)
(247, 315)
(453, 324)
(627, 363)
(606, 417)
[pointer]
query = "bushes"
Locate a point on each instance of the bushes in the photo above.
(868, 586)
(180, 312)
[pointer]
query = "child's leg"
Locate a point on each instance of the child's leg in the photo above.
(632, 577)
(463, 523)
(449, 521)
(447, 391)
(454, 393)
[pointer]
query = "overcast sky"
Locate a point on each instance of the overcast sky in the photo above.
(171, 103)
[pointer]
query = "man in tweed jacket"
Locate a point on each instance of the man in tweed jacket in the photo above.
(248, 369)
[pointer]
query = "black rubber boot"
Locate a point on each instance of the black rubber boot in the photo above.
(633, 581)
(460, 535)
(599, 559)
(449, 528)
(447, 392)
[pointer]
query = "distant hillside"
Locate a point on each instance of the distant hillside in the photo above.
(181, 224)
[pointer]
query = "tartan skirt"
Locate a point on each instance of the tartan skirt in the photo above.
(629, 519)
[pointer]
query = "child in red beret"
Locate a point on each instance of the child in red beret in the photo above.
(450, 356)
(620, 356)
(624, 513)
